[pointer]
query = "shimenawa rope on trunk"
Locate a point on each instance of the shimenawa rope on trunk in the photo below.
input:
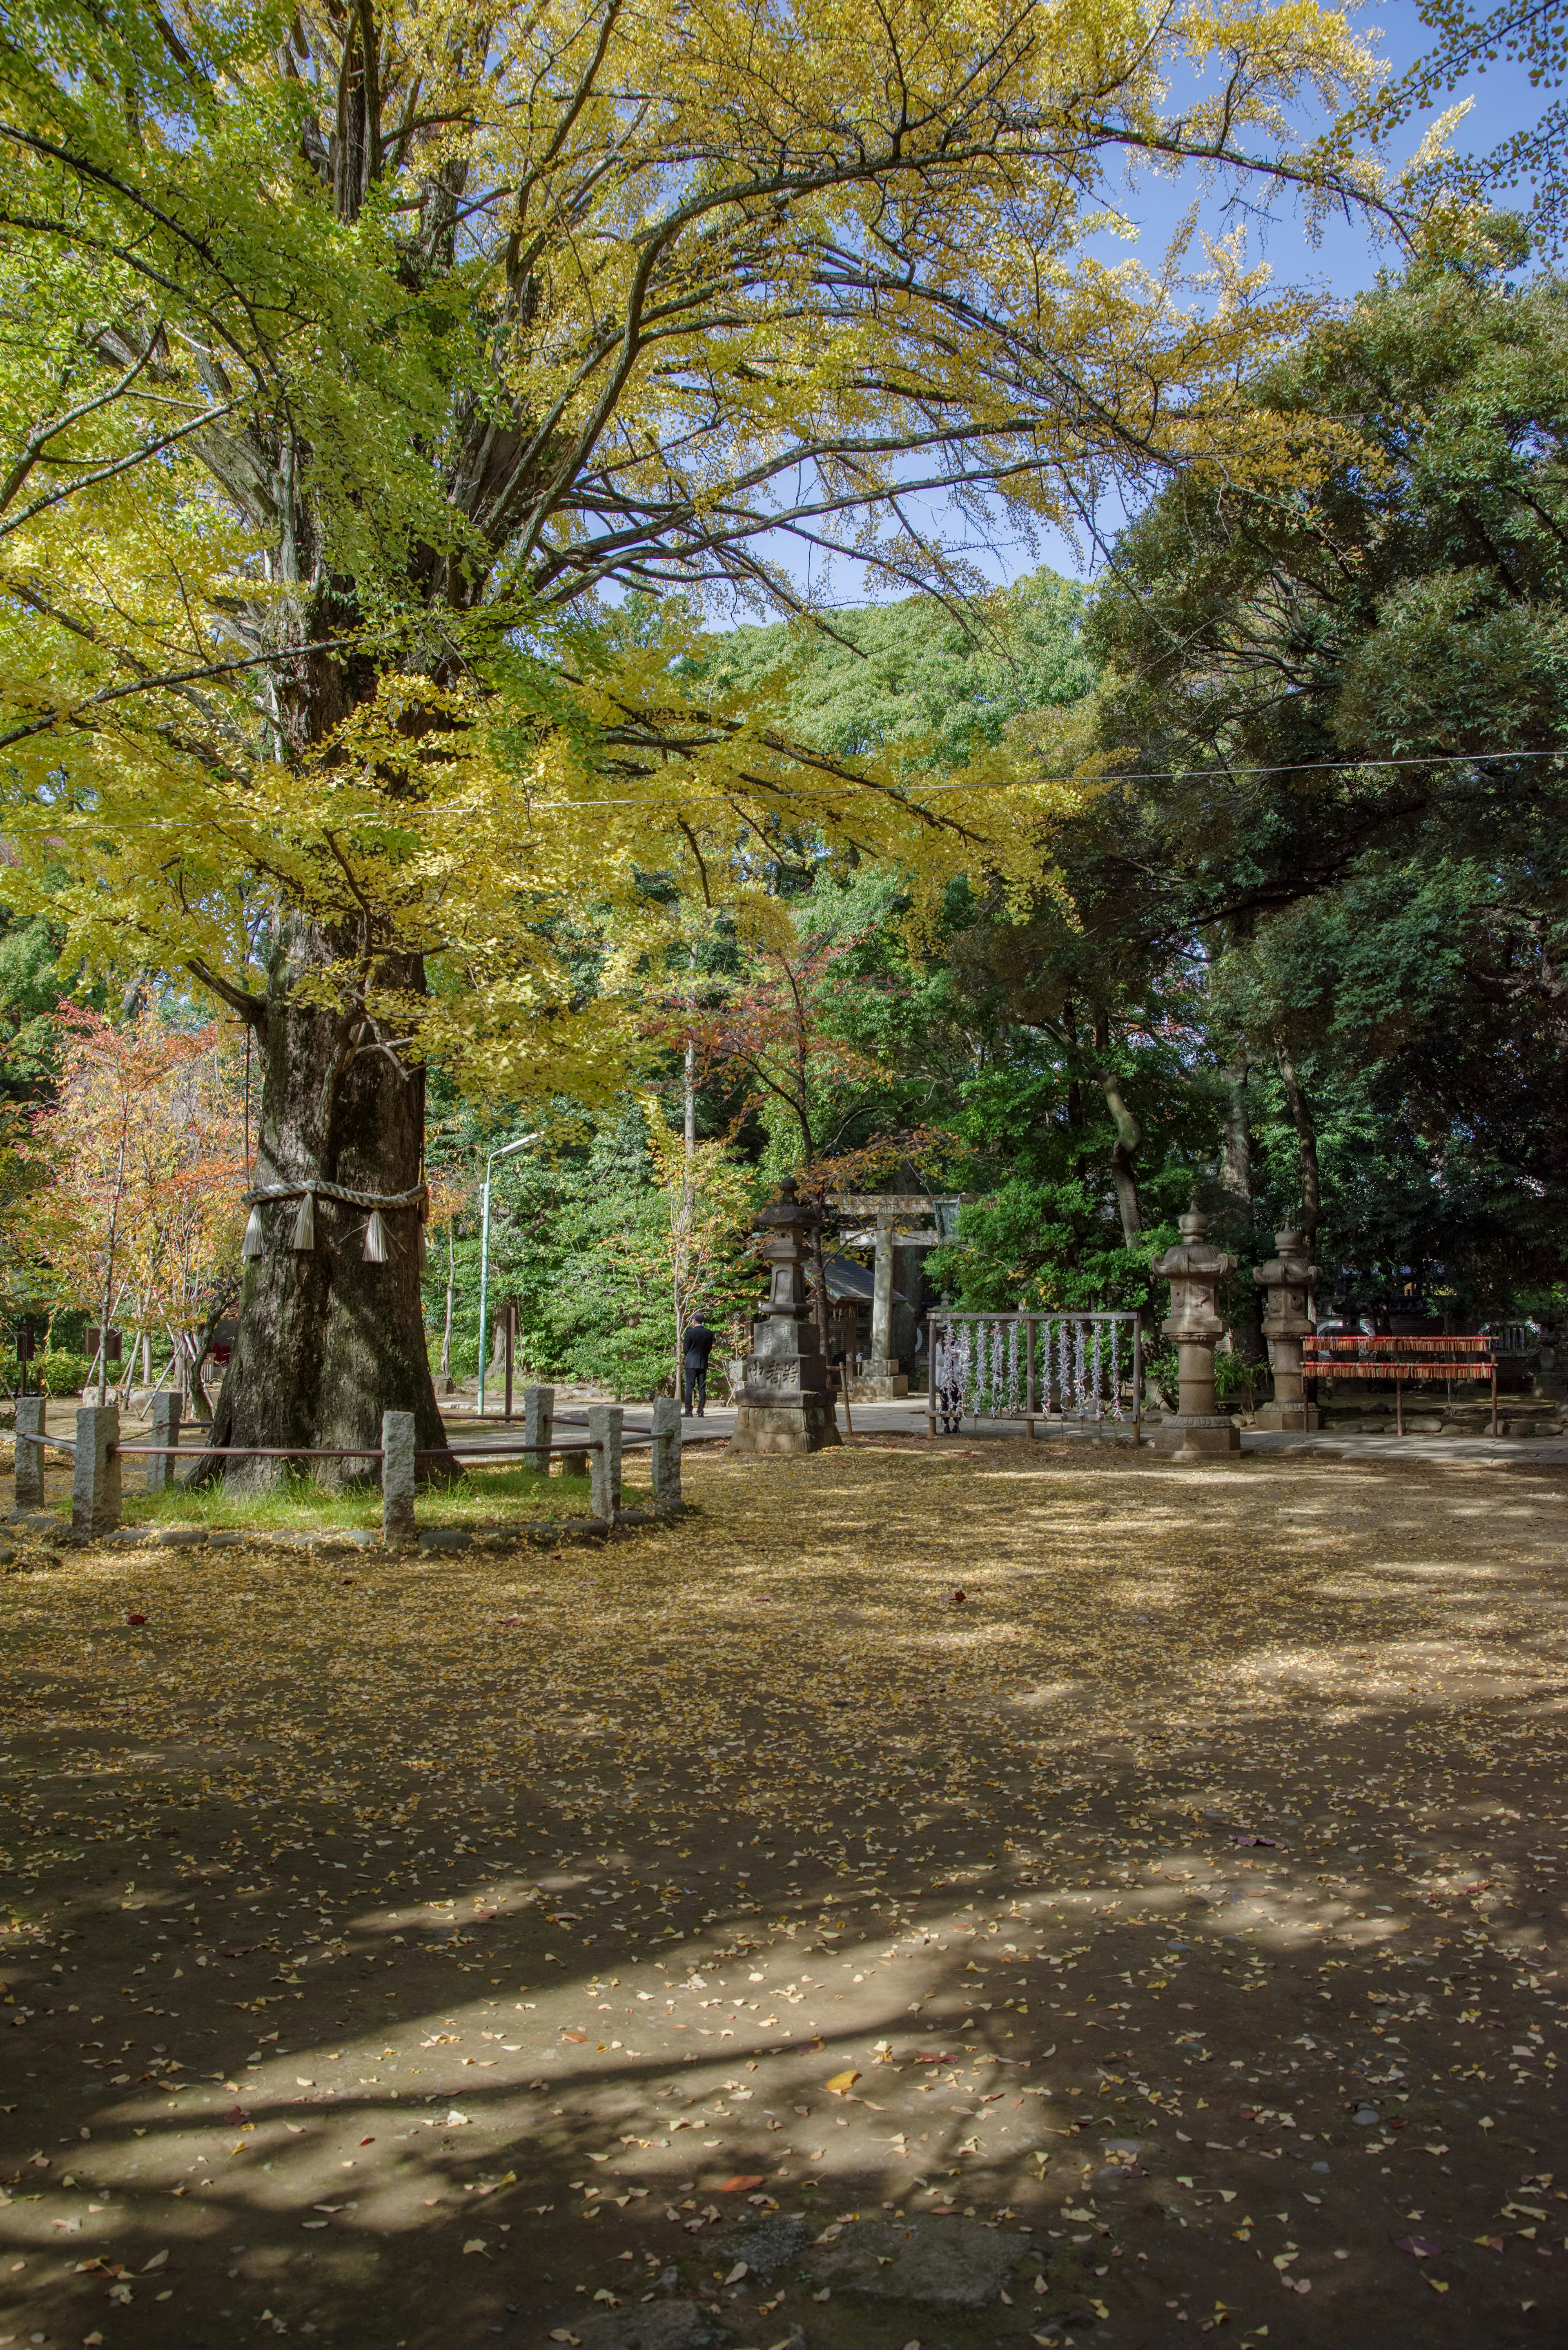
(307, 1194)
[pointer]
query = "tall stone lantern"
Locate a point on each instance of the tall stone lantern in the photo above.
(1195, 1269)
(1288, 1280)
(786, 1404)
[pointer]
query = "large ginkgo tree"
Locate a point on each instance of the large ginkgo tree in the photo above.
(359, 358)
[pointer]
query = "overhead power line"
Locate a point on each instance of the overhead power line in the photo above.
(389, 815)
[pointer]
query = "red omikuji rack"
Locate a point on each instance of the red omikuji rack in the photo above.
(1355, 1355)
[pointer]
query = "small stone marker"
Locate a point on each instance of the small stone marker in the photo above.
(667, 1453)
(165, 1431)
(604, 1465)
(538, 1424)
(398, 1476)
(95, 1494)
(30, 1412)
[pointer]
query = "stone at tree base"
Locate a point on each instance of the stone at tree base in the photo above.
(767, 2244)
(787, 1403)
(30, 1412)
(95, 1491)
(1070, 2287)
(946, 2263)
(655, 2325)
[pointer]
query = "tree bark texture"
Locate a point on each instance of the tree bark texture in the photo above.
(1236, 1186)
(328, 1342)
(1124, 1162)
(1300, 1109)
(450, 1291)
(1129, 1137)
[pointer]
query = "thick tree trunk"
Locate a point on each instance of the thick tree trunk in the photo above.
(193, 1355)
(1236, 1184)
(1070, 1030)
(1130, 1136)
(1124, 1162)
(450, 1291)
(1306, 1145)
(328, 1341)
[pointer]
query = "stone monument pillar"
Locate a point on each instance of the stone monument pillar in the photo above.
(882, 1380)
(1288, 1280)
(1195, 1269)
(786, 1404)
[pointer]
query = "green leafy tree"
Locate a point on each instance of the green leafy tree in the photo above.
(353, 354)
(1345, 720)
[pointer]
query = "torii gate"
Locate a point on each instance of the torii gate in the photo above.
(882, 1380)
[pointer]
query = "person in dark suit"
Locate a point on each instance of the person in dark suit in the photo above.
(695, 1353)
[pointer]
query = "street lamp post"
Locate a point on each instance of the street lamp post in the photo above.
(507, 1151)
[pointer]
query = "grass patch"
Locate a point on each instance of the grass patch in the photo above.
(514, 1495)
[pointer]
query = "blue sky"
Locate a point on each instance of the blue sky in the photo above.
(1342, 263)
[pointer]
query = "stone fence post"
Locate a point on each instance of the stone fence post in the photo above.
(538, 1424)
(667, 1453)
(1195, 1269)
(95, 1493)
(30, 1410)
(165, 1431)
(605, 1421)
(397, 1477)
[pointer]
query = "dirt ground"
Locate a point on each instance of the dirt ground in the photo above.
(1191, 1886)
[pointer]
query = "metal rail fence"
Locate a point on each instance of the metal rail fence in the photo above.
(1063, 1370)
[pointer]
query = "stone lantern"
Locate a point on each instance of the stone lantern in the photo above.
(1195, 1269)
(1289, 1279)
(786, 1404)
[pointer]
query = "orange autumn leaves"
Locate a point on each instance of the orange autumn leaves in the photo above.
(139, 1222)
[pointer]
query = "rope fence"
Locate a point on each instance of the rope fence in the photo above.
(97, 1454)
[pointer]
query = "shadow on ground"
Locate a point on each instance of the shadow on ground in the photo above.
(1162, 1936)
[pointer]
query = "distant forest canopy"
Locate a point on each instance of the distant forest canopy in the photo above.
(1302, 955)
(1309, 964)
